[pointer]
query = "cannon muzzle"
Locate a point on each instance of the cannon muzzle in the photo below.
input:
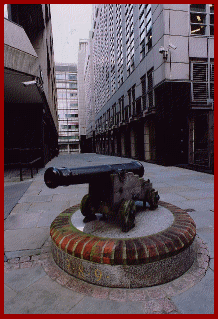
(55, 177)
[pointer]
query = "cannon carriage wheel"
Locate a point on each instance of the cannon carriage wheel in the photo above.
(126, 215)
(153, 198)
(87, 209)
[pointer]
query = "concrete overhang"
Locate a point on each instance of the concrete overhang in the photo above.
(21, 64)
(16, 92)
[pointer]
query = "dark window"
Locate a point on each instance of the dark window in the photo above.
(143, 84)
(150, 89)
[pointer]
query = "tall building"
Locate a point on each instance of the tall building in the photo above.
(30, 102)
(83, 44)
(66, 82)
(153, 80)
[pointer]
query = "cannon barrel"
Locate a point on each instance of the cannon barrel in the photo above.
(64, 176)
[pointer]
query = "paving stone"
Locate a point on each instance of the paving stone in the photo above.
(43, 296)
(199, 299)
(137, 295)
(34, 199)
(14, 260)
(207, 235)
(100, 293)
(28, 264)
(8, 293)
(48, 207)
(21, 253)
(117, 294)
(46, 218)
(160, 306)
(211, 264)
(89, 305)
(156, 293)
(19, 279)
(21, 220)
(23, 207)
(12, 194)
(21, 239)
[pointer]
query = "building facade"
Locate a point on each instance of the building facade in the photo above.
(66, 82)
(153, 73)
(30, 101)
(82, 53)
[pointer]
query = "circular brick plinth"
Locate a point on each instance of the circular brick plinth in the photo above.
(128, 262)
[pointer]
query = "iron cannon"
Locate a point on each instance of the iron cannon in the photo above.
(113, 190)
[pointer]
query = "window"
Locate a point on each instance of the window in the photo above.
(129, 101)
(211, 19)
(198, 18)
(150, 89)
(72, 85)
(74, 105)
(71, 115)
(202, 76)
(202, 19)
(71, 95)
(114, 113)
(143, 84)
(72, 76)
(148, 18)
(121, 107)
(61, 94)
(60, 85)
(60, 76)
(133, 100)
(129, 38)
(69, 127)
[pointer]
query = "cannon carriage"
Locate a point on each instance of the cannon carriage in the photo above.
(113, 190)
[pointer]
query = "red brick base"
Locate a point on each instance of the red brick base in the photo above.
(134, 251)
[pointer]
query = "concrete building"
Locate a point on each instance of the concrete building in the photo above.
(30, 102)
(66, 82)
(83, 45)
(153, 78)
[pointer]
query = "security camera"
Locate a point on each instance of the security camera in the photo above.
(172, 46)
(29, 83)
(162, 50)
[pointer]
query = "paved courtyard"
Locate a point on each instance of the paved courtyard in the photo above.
(33, 282)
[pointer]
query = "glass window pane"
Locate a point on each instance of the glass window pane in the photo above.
(198, 18)
(197, 29)
(72, 76)
(211, 8)
(211, 19)
(198, 7)
(211, 30)
(60, 76)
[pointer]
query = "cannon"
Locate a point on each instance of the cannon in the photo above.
(113, 190)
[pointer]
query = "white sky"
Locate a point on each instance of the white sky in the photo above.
(70, 23)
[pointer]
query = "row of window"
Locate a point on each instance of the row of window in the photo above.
(64, 104)
(119, 113)
(66, 76)
(72, 137)
(66, 94)
(69, 127)
(202, 89)
(202, 19)
(66, 85)
(201, 23)
(67, 115)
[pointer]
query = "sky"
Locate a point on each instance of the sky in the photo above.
(70, 22)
